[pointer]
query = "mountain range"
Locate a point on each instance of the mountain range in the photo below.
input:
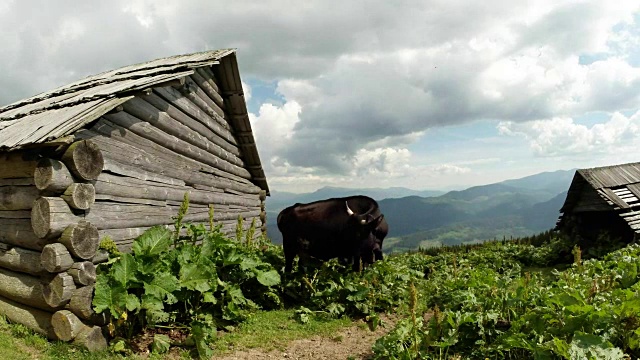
(511, 208)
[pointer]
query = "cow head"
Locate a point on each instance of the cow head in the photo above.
(364, 223)
(365, 219)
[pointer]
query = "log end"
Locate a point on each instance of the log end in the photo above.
(59, 291)
(84, 159)
(91, 338)
(40, 217)
(82, 239)
(56, 258)
(80, 196)
(52, 176)
(66, 325)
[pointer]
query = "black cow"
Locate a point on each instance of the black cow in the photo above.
(326, 229)
(371, 248)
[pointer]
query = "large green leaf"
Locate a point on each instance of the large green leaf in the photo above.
(201, 333)
(269, 278)
(113, 297)
(162, 286)
(161, 344)
(194, 277)
(132, 303)
(124, 270)
(154, 241)
(107, 295)
(593, 347)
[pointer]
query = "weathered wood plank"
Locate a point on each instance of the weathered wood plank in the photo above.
(148, 152)
(23, 288)
(50, 216)
(52, 176)
(15, 214)
(17, 164)
(116, 167)
(21, 260)
(129, 200)
(118, 235)
(34, 319)
(150, 132)
(17, 197)
(84, 159)
(210, 88)
(26, 181)
(149, 113)
(19, 232)
(129, 187)
(210, 119)
(135, 218)
(177, 114)
(203, 98)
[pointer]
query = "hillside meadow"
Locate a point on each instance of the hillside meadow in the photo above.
(204, 295)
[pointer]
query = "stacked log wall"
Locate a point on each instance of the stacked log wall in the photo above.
(161, 144)
(45, 241)
(126, 172)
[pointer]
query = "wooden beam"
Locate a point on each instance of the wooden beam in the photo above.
(34, 319)
(198, 126)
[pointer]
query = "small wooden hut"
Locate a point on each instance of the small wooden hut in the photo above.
(603, 200)
(112, 155)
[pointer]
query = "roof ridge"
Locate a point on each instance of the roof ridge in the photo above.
(94, 80)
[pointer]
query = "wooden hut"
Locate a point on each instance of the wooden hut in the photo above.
(603, 200)
(112, 155)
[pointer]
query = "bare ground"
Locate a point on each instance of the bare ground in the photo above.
(352, 343)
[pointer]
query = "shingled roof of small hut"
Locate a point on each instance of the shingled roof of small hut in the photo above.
(51, 116)
(617, 185)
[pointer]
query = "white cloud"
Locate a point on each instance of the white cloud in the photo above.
(382, 161)
(273, 125)
(246, 89)
(448, 169)
(359, 88)
(563, 137)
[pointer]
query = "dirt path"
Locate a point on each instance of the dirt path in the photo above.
(352, 343)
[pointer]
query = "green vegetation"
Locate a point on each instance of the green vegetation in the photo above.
(18, 342)
(481, 304)
(198, 282)
(531, 298)
(201, 282)
(274, 329)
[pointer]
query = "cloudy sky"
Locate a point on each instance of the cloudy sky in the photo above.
(422, 94)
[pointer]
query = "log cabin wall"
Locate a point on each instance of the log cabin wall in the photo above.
(603, 200)
(161, 144)
(46, 245)
(113, 155)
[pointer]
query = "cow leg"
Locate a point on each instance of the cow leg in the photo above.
(290, 251)
(356, 262)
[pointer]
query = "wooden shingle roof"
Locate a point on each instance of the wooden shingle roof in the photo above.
(55, 114)
(617, 185)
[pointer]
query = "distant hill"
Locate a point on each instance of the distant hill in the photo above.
(516, 207)
(280, 200)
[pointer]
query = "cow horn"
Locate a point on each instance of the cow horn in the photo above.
(349, 211)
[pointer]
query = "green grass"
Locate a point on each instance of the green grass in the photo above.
(274, 329)
(17, 343)
(267, 330)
